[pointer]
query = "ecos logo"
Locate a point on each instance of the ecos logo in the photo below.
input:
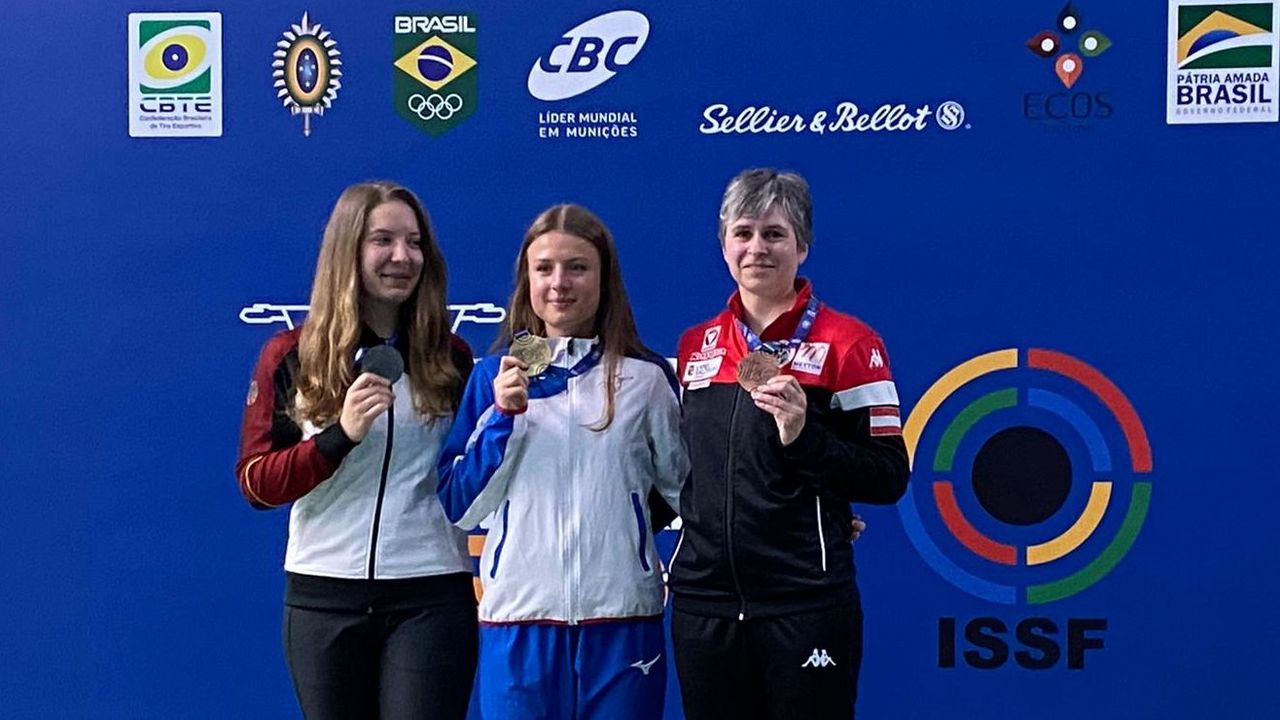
(1030, 483)
(1068, 47)
(588, 55)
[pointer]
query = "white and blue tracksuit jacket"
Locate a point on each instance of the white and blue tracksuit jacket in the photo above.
(566, 506)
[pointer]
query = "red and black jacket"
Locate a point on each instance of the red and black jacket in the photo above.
(767, 528)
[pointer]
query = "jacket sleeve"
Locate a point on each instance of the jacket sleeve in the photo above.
(480, 454)
(667, 449)
(276, 466)
(854, 451)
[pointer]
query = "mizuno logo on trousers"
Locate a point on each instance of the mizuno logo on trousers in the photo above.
(643, 666)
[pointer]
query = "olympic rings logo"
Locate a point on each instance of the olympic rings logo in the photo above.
(435, 106)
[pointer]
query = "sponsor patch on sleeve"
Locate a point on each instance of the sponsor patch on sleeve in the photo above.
(885, 420)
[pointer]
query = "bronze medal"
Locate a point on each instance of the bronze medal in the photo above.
(532, 351)
(756, 368)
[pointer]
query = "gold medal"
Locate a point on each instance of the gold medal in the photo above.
(532, 350)
(756, 368)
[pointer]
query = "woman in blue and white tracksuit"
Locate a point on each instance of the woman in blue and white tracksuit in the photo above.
(560, 467)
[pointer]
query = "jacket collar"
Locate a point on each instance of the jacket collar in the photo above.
(785, 324)
(369, 338)
(566, 352)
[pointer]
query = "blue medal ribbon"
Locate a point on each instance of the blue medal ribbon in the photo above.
(555, 380)
(779, 348)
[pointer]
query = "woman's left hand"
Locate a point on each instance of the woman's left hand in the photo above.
(784, 399)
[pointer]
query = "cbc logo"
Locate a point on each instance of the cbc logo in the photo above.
(435, 105)
(1029, 476)
(588, 55)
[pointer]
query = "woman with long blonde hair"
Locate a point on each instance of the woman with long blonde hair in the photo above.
(559, 449)
(379, 607)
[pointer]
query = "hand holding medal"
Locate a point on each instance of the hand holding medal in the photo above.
(532, 350)
(784, 399)
(529, 355)
(758, 373)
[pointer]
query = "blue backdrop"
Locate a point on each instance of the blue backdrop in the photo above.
(1023, 214)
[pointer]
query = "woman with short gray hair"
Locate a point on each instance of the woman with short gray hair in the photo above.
(790, 415)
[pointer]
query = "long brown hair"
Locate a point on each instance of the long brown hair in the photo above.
(332, 329)
(614, 323)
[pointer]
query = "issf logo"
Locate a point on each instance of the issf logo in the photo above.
(588, 55)
(1030, 483)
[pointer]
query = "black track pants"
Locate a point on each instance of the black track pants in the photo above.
(796, 666)
(390, 665)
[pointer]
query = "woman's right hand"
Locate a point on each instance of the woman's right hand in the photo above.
(859, 527)
(367, 398)
(511, 386)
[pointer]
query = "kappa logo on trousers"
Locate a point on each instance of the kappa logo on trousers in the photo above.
(818, 658)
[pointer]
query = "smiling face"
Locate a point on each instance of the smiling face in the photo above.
(564, 283)
(763, 254)
(390, 256)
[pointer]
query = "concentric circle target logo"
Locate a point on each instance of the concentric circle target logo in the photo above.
(1030, 476)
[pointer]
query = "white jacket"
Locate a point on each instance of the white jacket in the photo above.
(376, 517)
(363, 510)
(566, 506)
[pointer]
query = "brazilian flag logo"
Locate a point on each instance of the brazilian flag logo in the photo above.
(1225, 36)
(436, 73)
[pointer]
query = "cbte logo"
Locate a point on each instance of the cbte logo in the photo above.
(1068, 65)
(1029, 485)
(175, 74)
(589, 55)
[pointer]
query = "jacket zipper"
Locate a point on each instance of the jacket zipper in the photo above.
(571, 549)
(382, 491)
(728, 508)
